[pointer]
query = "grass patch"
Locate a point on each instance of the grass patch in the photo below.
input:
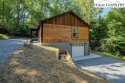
(40, 65)
(107, 55)
(3, 36)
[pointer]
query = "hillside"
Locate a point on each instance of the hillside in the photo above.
(40, 65)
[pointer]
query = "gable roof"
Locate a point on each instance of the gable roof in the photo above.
(70, 11)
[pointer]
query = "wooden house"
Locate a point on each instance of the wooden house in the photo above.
(67, 31)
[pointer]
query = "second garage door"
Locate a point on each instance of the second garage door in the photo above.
(77, 50)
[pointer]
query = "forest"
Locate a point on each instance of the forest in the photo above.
(107, 33)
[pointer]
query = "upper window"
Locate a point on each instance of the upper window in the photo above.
(74, 31)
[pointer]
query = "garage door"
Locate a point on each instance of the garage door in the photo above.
(77, 50)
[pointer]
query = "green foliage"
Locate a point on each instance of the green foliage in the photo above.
(98, 32)
(110, 38)
(3, 29)
(115, 43)
(2, 36)
(21, 31)
(17, 13)
(106, 34)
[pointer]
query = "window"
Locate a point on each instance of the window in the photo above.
(74, 31)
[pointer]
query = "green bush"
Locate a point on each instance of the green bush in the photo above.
(2, 36)
(114, 45)
(3, 30)
(20, 31)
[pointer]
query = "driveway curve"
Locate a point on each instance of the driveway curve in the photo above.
(9, 46)
(108, 68)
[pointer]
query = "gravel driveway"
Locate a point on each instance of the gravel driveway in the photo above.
(105, 67)
(9, 46)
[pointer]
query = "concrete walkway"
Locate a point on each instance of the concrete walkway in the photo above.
(105, 67)
(9, 46)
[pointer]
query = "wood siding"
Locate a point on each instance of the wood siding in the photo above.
(61, 33)
(66, 19)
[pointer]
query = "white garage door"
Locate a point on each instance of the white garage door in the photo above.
(77, 50)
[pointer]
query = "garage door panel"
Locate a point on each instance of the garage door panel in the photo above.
(77, 50)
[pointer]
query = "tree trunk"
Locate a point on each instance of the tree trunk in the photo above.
(23, 18)
(3, 16)
(42, 10)
(17, 15)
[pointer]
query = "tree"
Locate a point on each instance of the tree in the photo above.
(25, 13)
(98, 32)
(115, 42)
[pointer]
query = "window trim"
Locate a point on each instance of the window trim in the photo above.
(73, 31)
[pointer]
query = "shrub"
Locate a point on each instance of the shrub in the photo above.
(114, 45)
(20, 31)
(3, 30)
(2, 36)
